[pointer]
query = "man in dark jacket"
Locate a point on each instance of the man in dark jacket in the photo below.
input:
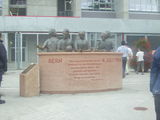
(155, 81)
(3, 63)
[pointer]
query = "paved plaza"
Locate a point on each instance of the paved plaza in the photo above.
(111, 105)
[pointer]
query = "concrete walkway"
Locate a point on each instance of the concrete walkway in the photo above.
(112, 105)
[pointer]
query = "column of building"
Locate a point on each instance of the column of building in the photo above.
(158, 2)
(5, 7)
(76, 8)
(121, 7)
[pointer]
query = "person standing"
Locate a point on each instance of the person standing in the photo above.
(125, 53)
(155, 81)
(3, 63)
(128, 60)
(140, 61)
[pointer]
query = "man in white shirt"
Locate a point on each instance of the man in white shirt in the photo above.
(140, 60)
(125, 53)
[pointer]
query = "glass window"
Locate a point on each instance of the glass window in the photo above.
(29, 49)
(11, 47)
(18, 11)
(87, 4)
(0, 3)
(97, 5)
(144, 5)
(154, 41)
(132, 39)
(68, 5)
(19, 2)
(0, 7)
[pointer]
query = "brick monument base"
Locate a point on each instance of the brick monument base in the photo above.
(73, 72)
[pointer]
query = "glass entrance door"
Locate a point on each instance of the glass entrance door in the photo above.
(29, 49)
(11, 51)
(16, 51)
(22, 50)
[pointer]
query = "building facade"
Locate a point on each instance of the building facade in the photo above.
(41, 7)
(25, 23)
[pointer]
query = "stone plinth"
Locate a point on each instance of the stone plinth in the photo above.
(29, 81)
(72, 72)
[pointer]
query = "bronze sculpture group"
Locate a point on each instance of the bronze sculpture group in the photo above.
(53, 44)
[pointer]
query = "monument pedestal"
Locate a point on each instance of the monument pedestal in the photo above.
(73, 72)
(29, 81)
